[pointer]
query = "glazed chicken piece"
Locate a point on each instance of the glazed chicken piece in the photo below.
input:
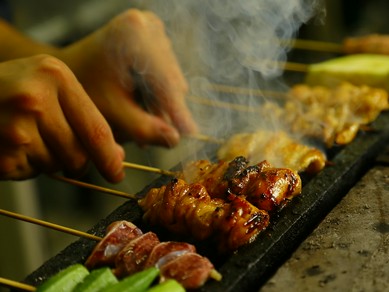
(188, 209)
(277, 147)
(266, 187)
(210, 175)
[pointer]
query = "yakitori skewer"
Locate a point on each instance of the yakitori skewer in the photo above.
(16, 285)
(49, 225)
(364, 44)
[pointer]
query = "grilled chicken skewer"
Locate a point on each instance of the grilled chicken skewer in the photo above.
(367, 44)
(331, 115)
(277, 147)
(371, 44)
(188, 209)
(228, 203)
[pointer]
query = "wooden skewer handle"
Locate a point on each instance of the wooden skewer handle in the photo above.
(49, 225)
(17, 285)
(94, 187)
(149, 169)
(317, 46)
(206, 138)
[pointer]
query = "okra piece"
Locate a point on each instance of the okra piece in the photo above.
(170, 285)
(97, 280)
(137, 282)
(65, 280)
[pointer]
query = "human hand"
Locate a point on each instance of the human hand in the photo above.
(134, 51)
(48, 123)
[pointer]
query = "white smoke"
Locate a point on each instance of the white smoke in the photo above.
(233, 42)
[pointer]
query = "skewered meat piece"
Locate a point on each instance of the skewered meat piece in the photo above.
(331, 115)
(277, 147)
(176, 260)
(266, 187)
(210, 175)
(179, 260)
(371, 44)
(167, 251)
(190, 269)
(132, 258)
(189, 210)
(119, 233)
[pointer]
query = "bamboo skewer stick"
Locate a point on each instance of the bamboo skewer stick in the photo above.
(17, 285)
(246, 91)
(149, 169)
(205, 138)
(292, 66)
(94, 187)
(320, 46)
(49, 225)
(224, 105)
(297, 67)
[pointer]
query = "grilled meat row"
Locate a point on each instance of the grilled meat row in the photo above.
(127, 250)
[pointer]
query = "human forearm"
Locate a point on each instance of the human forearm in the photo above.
(14, 44)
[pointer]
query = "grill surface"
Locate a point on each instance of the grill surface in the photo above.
(250, 267)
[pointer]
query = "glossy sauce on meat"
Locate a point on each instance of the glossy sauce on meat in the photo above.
(189, 210)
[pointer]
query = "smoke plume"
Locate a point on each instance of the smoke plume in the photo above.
(231, 42)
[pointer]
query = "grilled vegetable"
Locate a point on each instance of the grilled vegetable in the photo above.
(97, 280)
(167, 286)
(137, 282)
(65, 280)
(367, 69)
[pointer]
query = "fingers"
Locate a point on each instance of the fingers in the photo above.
(163, 74)
(91, 129)
(23, 154)
(131, 122)
(147, 50)
(48, 123)
(173, 103)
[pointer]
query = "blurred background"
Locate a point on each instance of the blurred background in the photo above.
(23, 246)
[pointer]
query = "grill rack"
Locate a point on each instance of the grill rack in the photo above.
(252, 265)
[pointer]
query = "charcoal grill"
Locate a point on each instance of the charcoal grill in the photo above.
(252, 265)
